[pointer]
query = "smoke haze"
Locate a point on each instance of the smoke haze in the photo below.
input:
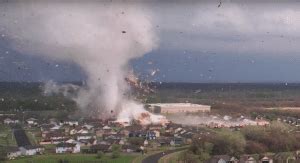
(99, 37)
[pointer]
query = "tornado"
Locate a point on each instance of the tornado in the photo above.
(100, 37)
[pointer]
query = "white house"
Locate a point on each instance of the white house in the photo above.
(70, 141)
(82, 131)
(10, 121)
(31, 121)
(57, 127)
(67, 148)
(157, 133)
(89, 127)
(71, 123)
(78, 130)
(106, 128)
(31, 150)
(146, 143)
(84, 136)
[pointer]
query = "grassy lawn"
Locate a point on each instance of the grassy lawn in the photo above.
(31, 137)
(34, 135)
(76, 158)
(6, 136)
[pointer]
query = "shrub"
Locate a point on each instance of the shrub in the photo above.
(115, 154)
(100, 155)
(116, 151)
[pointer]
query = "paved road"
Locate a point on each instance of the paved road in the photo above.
(155, 158)
(20, 136)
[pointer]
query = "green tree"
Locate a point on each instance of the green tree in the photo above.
(228, 142)
(116, 149)
(188, 157)
(136, 141)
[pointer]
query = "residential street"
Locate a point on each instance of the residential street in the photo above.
(155, 158)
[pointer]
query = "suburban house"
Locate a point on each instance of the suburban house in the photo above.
(31, 150)
(177, 141)
(31, 121)
(222, 159)
(46, 127)
(113, 136)
(84, 136)
(54, 136)
(106, 128)
(154, 127)
(88, 142)
(151, 135)
(266, 159)
(70, 141)
(71, 123)
(157, 133)
(67, 148)
(78, 130)
(56, 127)
(88, 127)
(163, 141)
(10, 121)
(247, 159)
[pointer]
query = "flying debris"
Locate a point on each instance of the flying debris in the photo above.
(220, 4)
(198, 91)
(123, 31)
(153, 72)
(136, 84)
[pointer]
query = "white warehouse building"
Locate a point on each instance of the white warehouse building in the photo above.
(170, 108)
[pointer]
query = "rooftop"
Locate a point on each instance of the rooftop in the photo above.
(178, 105)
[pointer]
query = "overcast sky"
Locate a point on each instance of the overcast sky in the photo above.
(198, 42)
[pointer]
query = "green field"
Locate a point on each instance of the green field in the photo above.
(6, 136)
(73, 158)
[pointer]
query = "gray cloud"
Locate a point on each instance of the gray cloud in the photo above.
(251, 28)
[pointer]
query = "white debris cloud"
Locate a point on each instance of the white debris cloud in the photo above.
(100, 37)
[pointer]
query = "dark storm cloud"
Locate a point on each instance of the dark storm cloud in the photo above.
(206, 41)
